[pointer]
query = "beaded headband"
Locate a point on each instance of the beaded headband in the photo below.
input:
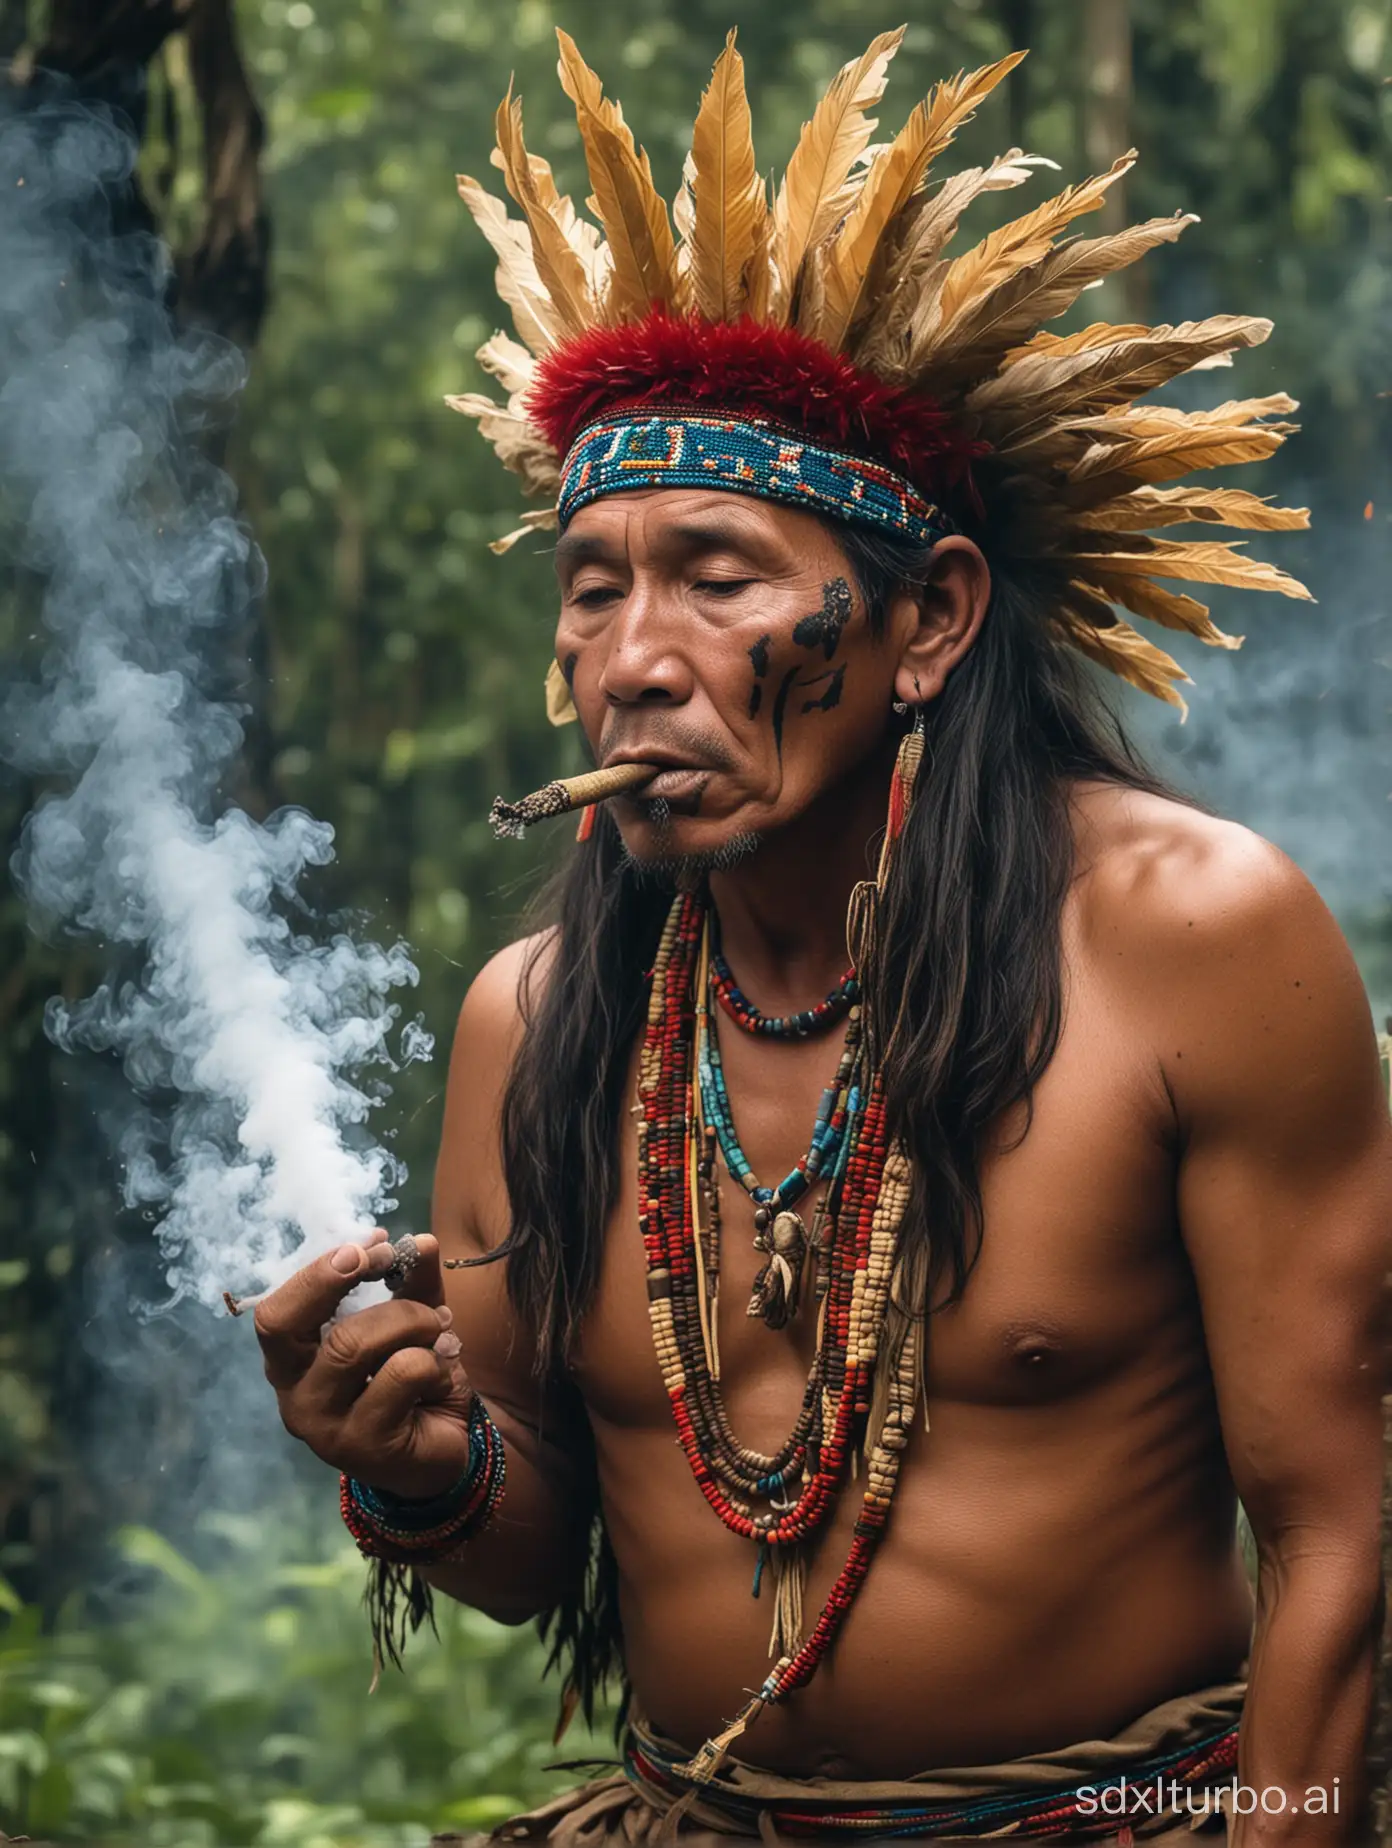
(833, 307)
(699, 449)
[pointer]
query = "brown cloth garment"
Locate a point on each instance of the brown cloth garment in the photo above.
(619, 1810)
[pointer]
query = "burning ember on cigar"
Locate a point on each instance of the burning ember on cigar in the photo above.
(512, 819)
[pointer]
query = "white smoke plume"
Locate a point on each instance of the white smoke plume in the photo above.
(252, 1042)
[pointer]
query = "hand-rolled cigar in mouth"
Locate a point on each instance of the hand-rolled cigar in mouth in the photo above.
(512, 819)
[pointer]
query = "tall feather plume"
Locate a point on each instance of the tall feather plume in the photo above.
(894, 176)
(730, 215)
(517, 282)
(562, 273)
(980, 337)
(933, 224)
(1023, 240)
(628, 204)
(806, 205)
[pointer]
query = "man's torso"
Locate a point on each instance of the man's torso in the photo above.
(1061, 1554)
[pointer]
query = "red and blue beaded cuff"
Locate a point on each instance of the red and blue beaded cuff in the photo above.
(411, 1532)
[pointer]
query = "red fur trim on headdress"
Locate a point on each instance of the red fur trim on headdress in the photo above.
(747, 366)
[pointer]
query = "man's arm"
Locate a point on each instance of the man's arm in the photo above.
(1285, 1204)
(511, 1569)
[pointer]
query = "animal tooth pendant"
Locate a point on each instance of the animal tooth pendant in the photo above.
(779, 1282)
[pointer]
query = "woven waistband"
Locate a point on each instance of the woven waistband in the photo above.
(704, 449)
(1156, 1769)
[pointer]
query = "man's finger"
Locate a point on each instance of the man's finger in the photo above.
(418, 1413)
(357, 1347)
(288, 1319)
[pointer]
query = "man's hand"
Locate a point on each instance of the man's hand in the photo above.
(380, 1395)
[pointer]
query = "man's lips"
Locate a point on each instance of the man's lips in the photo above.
(672, 777)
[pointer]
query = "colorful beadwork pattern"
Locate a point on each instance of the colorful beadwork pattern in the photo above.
(692, 449)
(1035, 1815)
(410, 1532)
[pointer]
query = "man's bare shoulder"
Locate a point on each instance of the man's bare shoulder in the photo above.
(1222, 944)
(504, 992)
(1156, 865)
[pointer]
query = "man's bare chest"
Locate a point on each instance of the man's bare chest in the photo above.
(1080, 1268)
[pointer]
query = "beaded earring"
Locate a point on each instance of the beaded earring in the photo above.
(865, 897)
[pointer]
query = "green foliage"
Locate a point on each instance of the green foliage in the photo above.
(231, 1706)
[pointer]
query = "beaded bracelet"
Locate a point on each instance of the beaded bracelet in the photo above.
(423, 1531)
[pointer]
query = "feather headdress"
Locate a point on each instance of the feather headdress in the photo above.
(830, 303)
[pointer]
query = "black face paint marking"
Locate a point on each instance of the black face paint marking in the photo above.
(568, 669)
(824, 626)
(780, 703)
(832, 697)
(759, 655)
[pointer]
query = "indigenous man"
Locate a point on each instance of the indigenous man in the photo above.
(1085, 1167)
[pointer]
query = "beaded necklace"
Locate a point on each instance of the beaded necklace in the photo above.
(779, 1501)
(779, 1232)
(747, 1017)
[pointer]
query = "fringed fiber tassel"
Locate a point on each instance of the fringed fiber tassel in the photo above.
(790, 1590)
(398, 1602)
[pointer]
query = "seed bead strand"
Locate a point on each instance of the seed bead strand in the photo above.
(667, 1231)
(803, 1025)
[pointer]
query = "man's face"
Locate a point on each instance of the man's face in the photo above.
(725, 637)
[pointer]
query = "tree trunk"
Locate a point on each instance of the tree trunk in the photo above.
(1107, 118)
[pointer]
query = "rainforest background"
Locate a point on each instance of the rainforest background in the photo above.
(182, 1658)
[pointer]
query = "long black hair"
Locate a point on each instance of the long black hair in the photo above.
(967, 943)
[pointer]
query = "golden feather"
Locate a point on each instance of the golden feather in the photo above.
(806, 205)
(518, 444)
(540, 519)
(1120, 648)
(1174, 451)
(1201, 561)
(730, 212)
(1059, 346)
(894, 176)
(1023, 240)
(529, 180)
(1146, 507)
(932, 227)
(1044, 388)
(508, 361)
(625, 200)
(517, 281)
(982, 334)
(560, 707)
(1170, 608)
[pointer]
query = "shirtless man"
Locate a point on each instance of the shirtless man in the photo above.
(1184, 1203)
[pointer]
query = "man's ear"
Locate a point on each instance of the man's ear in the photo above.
(938, 624)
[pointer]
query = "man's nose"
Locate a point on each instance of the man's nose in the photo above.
(646, 663)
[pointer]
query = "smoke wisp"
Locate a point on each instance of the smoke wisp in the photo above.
(258, 1049)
